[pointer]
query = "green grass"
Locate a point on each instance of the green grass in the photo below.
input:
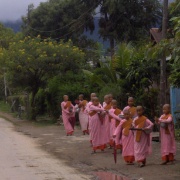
(4, 107)
(177, 134)
(43, 120)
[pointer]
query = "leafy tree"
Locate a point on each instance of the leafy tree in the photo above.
(131, 73)
(174, 45)
(6, 36)
(127, 20)
(170, 46)
(58, 86)
(31, 62)
(59, 19)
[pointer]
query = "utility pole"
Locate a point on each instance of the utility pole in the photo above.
(163, 76)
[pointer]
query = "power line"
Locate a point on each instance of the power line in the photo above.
(65, 25)
(60, 37)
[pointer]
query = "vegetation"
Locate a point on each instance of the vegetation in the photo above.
(51, 56)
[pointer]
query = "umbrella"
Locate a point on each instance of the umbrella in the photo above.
(115, 153)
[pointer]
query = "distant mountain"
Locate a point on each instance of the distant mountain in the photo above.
(95, 35)
(15, 25)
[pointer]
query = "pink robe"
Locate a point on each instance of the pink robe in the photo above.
(83, 119)
(96, 126)
(168, 144)
(142, 148)
(113, 126)
(106, 127)
(127, 141)
(65, 116)
(87, 111)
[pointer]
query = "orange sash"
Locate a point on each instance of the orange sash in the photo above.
(108, 106)
(165, 118)
(132, 110)
(140, 121)
(92, 113)
(84, 102)
(117, 112)
(68, 105)
(126, 126)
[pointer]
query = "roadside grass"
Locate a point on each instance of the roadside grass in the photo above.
(43, 120)
(177, 134)
(4, 107)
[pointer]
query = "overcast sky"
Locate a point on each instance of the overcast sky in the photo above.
(14, 9)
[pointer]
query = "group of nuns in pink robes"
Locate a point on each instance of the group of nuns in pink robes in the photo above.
(132, 130)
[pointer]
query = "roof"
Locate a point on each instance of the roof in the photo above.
(156, 34)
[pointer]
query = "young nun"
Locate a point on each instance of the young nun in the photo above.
(114, 122)
(96, 124)
(67, 113)
(142, 140)
(131, 107)
(110, 99)
(106, 124)
(83, 116)
(168, 146)
(127, 137)
(87, 111)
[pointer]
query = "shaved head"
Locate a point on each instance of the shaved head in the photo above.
(65, 96)
(93, 95)
(106, 96)
(130, 99)
(95, 99)
(166, 109)
(140, 108)
(167, 106)
(114, 101)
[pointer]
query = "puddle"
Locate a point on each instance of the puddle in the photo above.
(109, 176)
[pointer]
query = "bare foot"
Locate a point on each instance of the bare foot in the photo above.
(93, 152)
(164, 162)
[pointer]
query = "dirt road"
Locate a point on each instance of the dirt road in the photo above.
(72, 155)
(22, 159)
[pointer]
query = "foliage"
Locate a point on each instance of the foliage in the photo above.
(31, 61)
(59, 19)
(131, 73)
(59, 86)
(170, 46)
(174, 45)
(128, 20)
(6, 36)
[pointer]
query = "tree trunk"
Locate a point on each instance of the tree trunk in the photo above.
(163, 76)
(33, 106)
(5, 87)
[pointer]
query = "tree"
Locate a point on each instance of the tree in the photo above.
(6, 36)
(127, 20)
(31, 62)
(59, 19)
(173, 45)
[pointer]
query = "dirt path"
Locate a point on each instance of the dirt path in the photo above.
(22, 159)
(75, 152)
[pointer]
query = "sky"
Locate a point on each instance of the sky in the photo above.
(14, 9)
